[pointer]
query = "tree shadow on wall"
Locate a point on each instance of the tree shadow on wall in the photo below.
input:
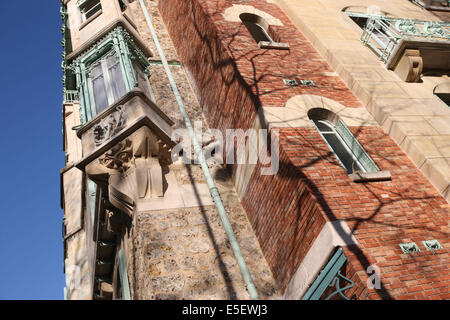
(221, 55)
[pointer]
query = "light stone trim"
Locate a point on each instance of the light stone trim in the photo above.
(232, 14)
(178, 196)
(295, 113)
(244, 172)
(406, 111)
(333, 234)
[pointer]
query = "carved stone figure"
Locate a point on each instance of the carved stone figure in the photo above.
(109, 126)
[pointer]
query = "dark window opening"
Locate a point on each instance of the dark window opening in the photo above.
(90, 8)
(257, 27)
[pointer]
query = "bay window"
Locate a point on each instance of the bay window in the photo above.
(113, 67)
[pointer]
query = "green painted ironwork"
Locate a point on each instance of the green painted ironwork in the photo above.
(126, 295)
(118, 42)
(382, 34)
(330, 277)
(70, 96)
(359, 155)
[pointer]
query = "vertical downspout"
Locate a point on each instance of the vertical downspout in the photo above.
(200, 155)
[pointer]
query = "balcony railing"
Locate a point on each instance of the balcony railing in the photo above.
(70, 96)
(382, 34)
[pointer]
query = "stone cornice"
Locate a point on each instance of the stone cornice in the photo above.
(103, 32)
(133, 93)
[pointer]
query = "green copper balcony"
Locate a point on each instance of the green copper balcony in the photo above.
(384, 34)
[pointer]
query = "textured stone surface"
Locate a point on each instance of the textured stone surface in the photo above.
(185, 253)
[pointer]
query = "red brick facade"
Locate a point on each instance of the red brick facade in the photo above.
(287, 211)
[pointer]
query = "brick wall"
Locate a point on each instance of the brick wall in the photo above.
(287, 211)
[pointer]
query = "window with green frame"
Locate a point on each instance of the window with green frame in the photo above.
(106, 81)
(345, 146)
(113, 67)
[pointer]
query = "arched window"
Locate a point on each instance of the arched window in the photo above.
(257, 26)
(341, 141)
(442, 91)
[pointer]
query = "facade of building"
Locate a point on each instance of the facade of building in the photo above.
(349, 198)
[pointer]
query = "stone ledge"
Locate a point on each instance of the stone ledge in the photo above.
(370, 176)
(273, 45)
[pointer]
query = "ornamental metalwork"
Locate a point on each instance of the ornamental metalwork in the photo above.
(331, 283)
(409, 247)
(382, 34)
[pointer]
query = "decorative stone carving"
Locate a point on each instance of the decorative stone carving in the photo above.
(118, 157)
(134, 167)
(109, 126)
(125, 150)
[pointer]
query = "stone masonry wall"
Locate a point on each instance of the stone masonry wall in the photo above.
(183, 253)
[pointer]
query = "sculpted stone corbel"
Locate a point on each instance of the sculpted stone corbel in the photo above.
(410, 66)
(134, 169)
(125, 148)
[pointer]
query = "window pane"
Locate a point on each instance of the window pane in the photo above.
(99, 88)
(341, 152)
(258, 32)
(116, 77)
(91, 8)
(357, 150)
(323, 126)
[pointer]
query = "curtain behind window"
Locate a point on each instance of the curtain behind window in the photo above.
(116, 77)
(99, 88)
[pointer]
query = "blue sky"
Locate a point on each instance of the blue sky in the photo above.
(31, 262)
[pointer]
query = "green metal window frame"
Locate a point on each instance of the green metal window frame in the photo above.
(120, 42)
(353, 146)
(330, 277)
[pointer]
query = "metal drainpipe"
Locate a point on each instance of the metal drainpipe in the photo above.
(200, 155)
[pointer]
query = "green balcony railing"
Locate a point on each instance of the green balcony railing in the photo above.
(70, 96)
(382, 34)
